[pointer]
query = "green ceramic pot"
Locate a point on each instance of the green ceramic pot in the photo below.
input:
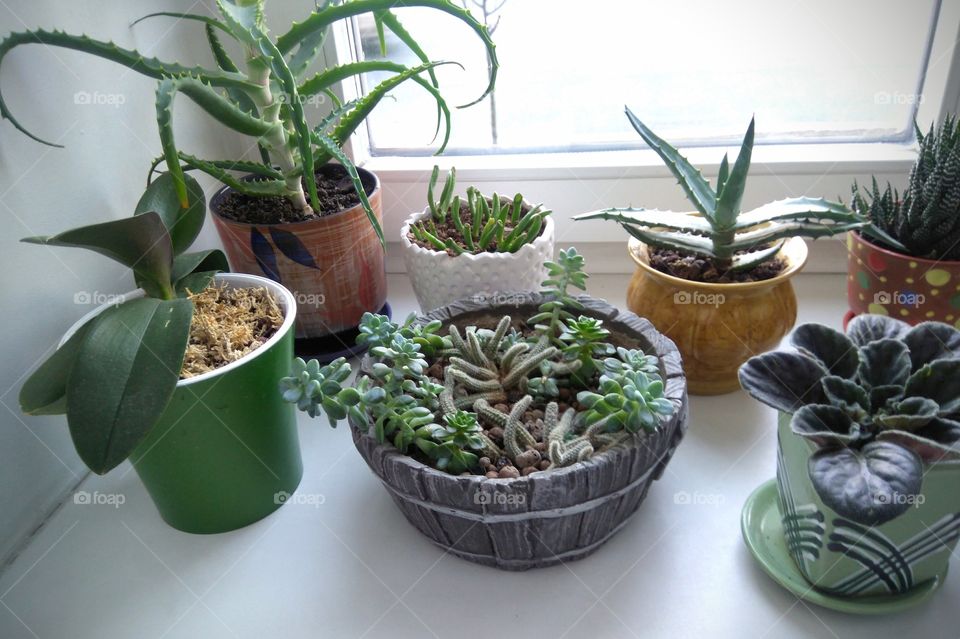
(225, 453)
(847, 559)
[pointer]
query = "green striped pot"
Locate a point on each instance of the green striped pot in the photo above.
(847, 559)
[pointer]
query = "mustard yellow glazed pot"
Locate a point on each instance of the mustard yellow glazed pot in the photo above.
(717, 327)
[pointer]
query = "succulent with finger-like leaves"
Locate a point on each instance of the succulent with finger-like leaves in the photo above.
(263, 95)
(719, 231)
(879, 403)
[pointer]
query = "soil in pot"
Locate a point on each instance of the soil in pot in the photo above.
(335, 191)
(447, 229)
(227, 324)
(699, 269)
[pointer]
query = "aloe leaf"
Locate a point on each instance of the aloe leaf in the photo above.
(45, 391)
(693, 183)
(307, 52)
(871, 485)
(728, 201)
(751, 259)
(334, 150)
(210, 22)
(333, 116)
(831, 348)
(784, 380)
(723, 173)
(331, 14)
(867, 328)
(675, 241)
(653, 218)
(125, 372)
(786, 230)
(391, 21)
(140, 242)
(884, 362)
(220, 169)
(129, 58)
(183, 224)
(242, 20)
(797, 208)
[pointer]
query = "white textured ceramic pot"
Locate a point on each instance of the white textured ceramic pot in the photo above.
(439, 279)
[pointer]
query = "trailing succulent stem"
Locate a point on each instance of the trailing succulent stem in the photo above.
(263, 95)
(719, 230)
(923, 221)
(493, 224)
(495, 376)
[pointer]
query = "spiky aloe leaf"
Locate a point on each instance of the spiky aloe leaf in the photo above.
(220, 169)
(723, 173)
(752, 259)
(728, 200)
(797, 208)
(673, 240)
(783, 231)
(130, 58)
(691, 180)
(652, 218)
(329, 15)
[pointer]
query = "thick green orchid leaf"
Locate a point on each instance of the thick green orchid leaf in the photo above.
(908, 414)
(867, 328)
(847, 396)
(930, 341)
(825, 425)
(938, 440)
(884, 362)
(869, 486)
(125, 373)
(45, 391)
(831, 348)
(784, 380)
(183, 224)
(939, 381)
(192, 272)
(140, 242)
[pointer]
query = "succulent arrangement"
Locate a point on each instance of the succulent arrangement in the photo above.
(923, 221)
(263, 95)
(732, 239)
(480, 223)
(879, 404)
(494, 401)
(115, 375)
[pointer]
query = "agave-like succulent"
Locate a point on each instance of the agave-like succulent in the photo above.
(879, 403)
(732, 239)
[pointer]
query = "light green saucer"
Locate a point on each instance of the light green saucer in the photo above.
(763, 533)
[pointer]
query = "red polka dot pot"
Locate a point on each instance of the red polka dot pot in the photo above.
(912, 289)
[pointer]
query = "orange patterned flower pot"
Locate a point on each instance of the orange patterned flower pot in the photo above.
(334, 265)
(717, 327)
(912, 289)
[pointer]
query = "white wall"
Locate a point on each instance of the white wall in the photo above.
(98, 176)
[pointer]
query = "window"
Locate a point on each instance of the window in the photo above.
(695, 71)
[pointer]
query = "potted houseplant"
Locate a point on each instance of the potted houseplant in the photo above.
(717, 281)
(513, 443)
(176, 376)
(456, 248)
(304, 215)
(868, 450)
(907, 264)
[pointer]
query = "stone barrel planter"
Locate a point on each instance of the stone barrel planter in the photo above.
(548, 517)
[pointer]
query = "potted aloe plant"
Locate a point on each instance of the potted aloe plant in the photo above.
(461, 247)
(176, 376)
(484, 426)
(303, 215)
(868, 458)
(907, 264)
(717, 281)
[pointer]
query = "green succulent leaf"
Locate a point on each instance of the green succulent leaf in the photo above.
(728, 200)
(124, 374)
